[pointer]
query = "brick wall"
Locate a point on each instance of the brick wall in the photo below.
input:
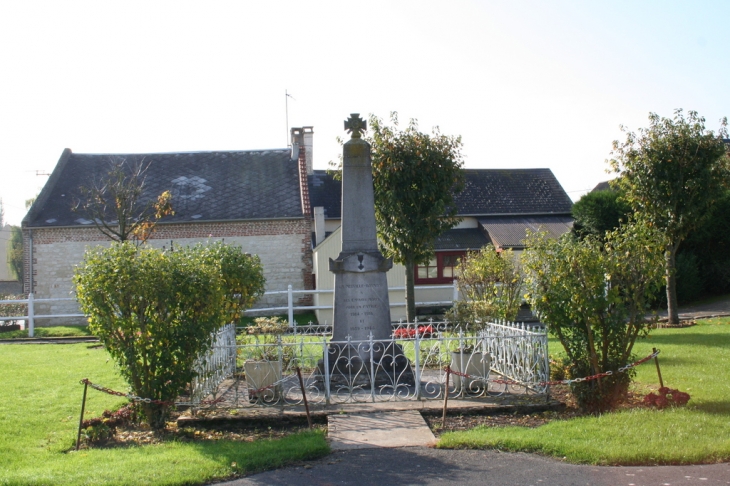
(284, 247)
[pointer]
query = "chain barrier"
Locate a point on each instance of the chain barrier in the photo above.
(623, 369)
(267, 387)
(131, 397)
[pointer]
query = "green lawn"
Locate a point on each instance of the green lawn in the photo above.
(695, 360)
(40, 400)
(54, 331)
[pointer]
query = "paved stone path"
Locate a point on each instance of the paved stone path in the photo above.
(381, 429)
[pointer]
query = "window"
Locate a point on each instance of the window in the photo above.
(441, 268)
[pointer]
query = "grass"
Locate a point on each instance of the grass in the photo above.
(302, 319)
(40, 400)
(694, 360)
(54, 331)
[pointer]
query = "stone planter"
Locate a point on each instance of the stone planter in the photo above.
(262, 374)
(476, 365)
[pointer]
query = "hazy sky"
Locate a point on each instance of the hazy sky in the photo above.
(525, 83)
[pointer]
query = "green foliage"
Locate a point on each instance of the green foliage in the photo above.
(12, 310)
(710, 244)
(671, 174)
(155, 310)
(598, 212)
(689, 280)
(414, 176)
(15, 252)
(491, 283)
(594, 297)
(267, 333)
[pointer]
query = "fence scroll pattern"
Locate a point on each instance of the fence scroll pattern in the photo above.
(246, 370)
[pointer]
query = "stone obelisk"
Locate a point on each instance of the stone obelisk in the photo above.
(361, 304)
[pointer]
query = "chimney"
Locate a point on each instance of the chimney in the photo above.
(303, 137)
(318, 225)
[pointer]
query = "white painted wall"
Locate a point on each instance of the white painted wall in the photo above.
(331, 248)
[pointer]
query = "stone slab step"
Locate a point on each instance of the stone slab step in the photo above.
(378, 429)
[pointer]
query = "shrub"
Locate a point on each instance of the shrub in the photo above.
(155, 310)
(491, 283)
(593, 296)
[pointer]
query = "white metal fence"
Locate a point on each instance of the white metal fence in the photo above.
(499, 358)
(289, 309)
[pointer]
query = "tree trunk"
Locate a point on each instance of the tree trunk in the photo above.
(671, 279)
(410, 291)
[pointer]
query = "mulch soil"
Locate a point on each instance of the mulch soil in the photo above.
(520, 418)
(247, 430)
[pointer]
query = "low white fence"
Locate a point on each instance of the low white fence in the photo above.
(487, 360)
(288, 309)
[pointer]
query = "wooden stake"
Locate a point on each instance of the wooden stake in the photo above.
(304, 394)
(446, 397)
(81, 419)
(658, 371)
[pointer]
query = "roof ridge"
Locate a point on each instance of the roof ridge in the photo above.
(288, 150)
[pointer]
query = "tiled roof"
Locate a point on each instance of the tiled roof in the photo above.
(602, 186)
(206, 186)
(326, 192)
(461, 239)
(512, 191)
(486, 192)
(508, 232)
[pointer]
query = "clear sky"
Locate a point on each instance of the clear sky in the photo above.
(525, 83)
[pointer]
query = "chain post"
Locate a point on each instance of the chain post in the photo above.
(658, 371)
(304, 395)
(83, 407)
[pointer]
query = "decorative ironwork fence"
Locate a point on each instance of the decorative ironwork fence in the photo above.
(215, 365)
(260, 370)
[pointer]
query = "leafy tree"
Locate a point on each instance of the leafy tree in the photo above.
(155, 310)
(415, 176)
(709, 245)
(594, 296)
(491, 283)
(15, 247)
(671, 174)
(116, 204)
(598, 212)
(15, 252)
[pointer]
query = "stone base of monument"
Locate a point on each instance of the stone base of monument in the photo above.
(351, 367)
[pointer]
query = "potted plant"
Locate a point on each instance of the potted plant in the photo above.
(263, 369)
(469, 361)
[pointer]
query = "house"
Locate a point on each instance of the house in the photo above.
(257, 199)
(497, 206)
(8, 283)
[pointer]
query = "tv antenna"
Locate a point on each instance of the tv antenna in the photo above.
(286, 99)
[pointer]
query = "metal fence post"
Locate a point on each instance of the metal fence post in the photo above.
(31, 316)
(290, 304)
(455, 296)
(326, 363)
(372, 369)
(417, 361)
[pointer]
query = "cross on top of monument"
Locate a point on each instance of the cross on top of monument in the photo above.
(355, 125)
